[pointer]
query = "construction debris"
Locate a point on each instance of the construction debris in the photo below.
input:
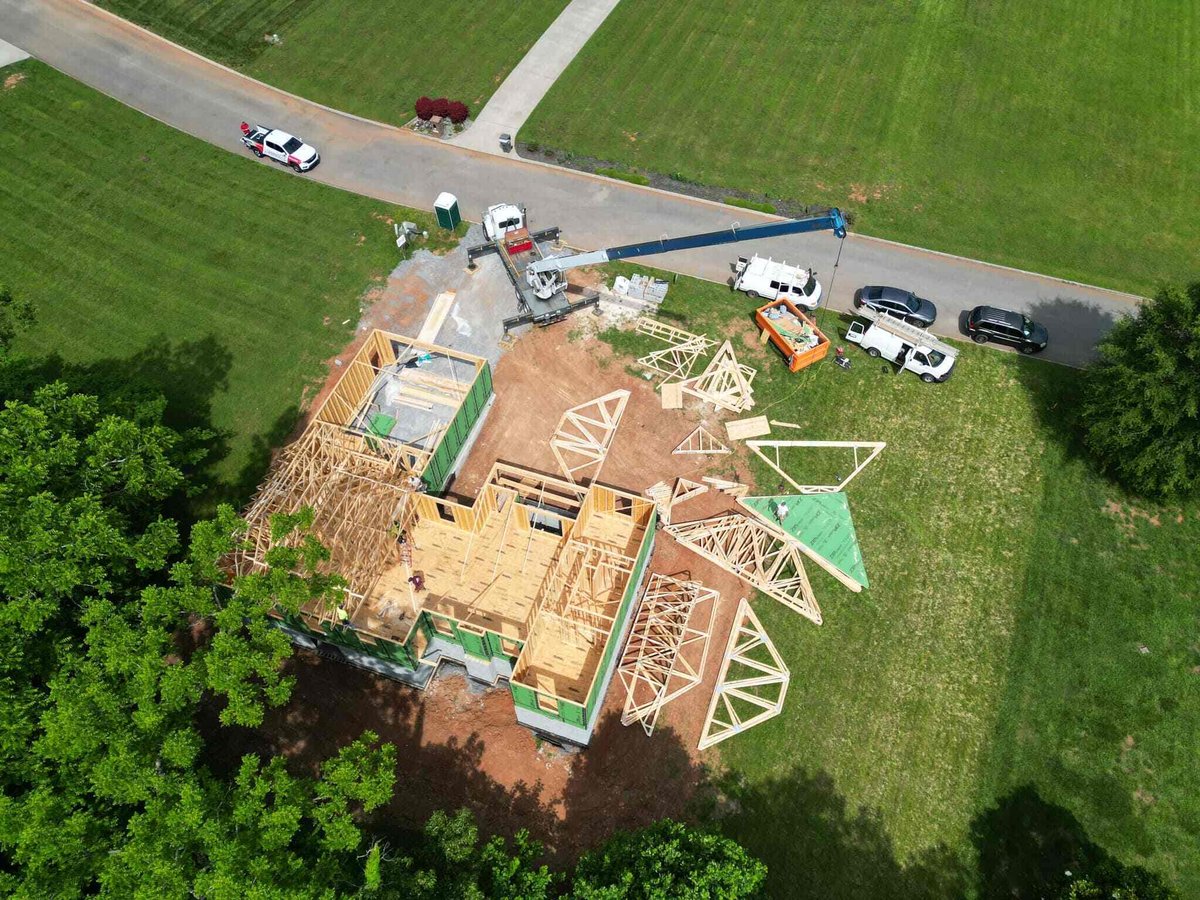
(665, 655)
(773, 460)
(752, 684)
(585, 433)
(740, 429)
(699, 442)
(725, 383)
(755, 553)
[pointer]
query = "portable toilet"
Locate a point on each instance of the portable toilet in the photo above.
(446, 210)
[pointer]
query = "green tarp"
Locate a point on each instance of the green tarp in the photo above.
(822, 523)
(381, 424)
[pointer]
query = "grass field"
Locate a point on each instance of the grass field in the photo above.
(1051, 136)
(369, 58)
(150, 253)
(984, 710)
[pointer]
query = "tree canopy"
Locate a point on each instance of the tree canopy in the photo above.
(115, 638)
(1141, 404)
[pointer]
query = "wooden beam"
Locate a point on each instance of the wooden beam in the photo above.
(741, 429)
(875, 448)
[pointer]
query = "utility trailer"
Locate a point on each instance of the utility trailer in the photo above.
(518, 248)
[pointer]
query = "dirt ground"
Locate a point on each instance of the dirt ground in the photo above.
(459, 744)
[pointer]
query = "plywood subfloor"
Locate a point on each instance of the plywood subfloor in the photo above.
(497, 587)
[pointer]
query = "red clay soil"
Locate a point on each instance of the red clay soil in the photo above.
(462, 747)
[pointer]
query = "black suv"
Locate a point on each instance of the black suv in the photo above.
(987, 323)
(899, 303)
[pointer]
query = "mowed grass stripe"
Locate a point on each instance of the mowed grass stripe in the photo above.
(1047, 136)
(130, 236)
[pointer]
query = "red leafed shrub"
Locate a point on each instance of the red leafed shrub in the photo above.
(424, 109)
(457, 112)
(441, 106)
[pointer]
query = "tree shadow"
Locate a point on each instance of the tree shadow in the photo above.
(1056, 390)
(186, 375)
(1030, 848)
(815, 845)
(625, 780)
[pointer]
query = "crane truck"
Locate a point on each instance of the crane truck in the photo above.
(540, 279)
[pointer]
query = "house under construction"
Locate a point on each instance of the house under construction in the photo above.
(532, 582)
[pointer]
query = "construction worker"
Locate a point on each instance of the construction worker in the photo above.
(343, 615)
(781, 511)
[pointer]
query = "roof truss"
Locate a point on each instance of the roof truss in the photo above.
(669, 333)
(754, 553)
(700, 442)
(665, 655)
(675, 361)
(864, 453)
(753, 681)
(585, 433)
(725, 382)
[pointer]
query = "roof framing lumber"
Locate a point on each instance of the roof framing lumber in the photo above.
(585, 433)
(677, 360)
(669, 333)
(752, 684)
(875, 448)
(665, 655)
(754, 553)
(725, 382)
(698, 443)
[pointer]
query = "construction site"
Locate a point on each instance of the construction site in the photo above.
(585, 541)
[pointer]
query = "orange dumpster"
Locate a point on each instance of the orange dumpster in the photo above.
(791, 330)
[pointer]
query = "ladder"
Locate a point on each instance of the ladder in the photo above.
(913, 334)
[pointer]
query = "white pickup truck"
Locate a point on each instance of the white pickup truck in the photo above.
(279, 146)
(773, 280)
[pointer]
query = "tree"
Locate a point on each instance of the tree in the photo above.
(667, 861)
(1113, 881)
(457, 111)
(424, 108)
(1141, 400)
(441, 107)
(16, 314)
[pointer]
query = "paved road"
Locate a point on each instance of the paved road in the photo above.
(538, 69)
(208, 101)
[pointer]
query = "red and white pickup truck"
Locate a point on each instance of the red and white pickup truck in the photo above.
(279, 146)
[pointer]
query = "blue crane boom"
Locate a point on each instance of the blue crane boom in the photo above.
(545, 275)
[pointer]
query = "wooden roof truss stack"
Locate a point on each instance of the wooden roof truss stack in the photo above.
(665, 655)
(754, 553)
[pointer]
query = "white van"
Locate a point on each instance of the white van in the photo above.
(905, 345)
(772, 280)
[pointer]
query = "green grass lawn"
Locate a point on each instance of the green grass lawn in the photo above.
(988, 689)
(151, 254)
(1051, 136)
(370, 58)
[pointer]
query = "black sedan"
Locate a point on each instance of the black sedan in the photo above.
(897, 302)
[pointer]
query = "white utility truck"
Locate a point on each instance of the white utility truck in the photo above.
(773, 280)
(904, 345)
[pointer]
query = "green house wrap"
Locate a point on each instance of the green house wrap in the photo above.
(821, 524)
